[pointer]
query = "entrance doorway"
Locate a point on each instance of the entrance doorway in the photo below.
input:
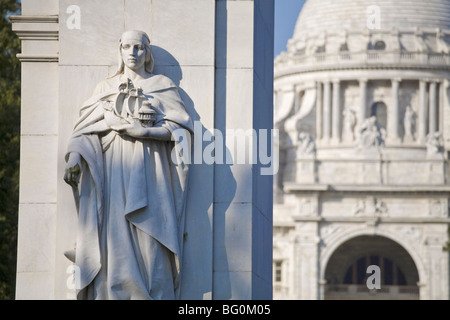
(347, 273)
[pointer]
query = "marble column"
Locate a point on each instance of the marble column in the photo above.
(393, 114)
(326, 110)
(37, 28)
(319, 111)
(433, 108)
(336, 112)
(306, 263)
(423, 112)
(363, 100)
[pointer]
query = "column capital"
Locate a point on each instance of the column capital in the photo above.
(298, 88)
(289, 88)
(37, 28)
(396, 80)
(446, 82)
(336, 81)
(363, 80)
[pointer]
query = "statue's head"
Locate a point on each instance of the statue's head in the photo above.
(135, 51)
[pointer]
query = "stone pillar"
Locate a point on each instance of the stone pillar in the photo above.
(242, 222)
(444, 116)
(363, 100)
(326, 111)
(319, 111)
(393, 114)
(423, 112)
(433, 111)
(220, 55)
(437, 263)
(306, 258)
(37, 28)
(336, 112)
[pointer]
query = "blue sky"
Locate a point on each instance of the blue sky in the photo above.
(286, 14)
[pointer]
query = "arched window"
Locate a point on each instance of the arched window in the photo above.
(278, 271)
(379, 45)
(391, 274)
(379, 110)
(347, 273)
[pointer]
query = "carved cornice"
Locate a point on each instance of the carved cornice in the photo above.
(292, 70)
(358, 188)
(344, 219)
(366, 60)
(37, 28)
(37, 58)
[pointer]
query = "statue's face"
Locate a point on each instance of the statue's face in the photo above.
(133, 51)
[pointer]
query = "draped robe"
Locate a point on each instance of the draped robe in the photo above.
(131, 194)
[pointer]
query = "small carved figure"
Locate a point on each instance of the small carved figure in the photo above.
(441, 44)
(371, 134)
(349, 124)
(306, 145)
(409, 123)
(419, 41)
(434, 144)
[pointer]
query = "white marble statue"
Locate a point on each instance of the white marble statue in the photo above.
(371, 134)
(305, 145)
(349, 124)
(409, 123)
(131, 193)
(441, 44)
(434, 144)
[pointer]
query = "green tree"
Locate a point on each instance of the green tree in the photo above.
(9, 147)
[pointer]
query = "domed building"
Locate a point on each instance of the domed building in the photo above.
(362, 105)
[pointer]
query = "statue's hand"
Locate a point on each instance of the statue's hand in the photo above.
(134, 130)
(73, 169)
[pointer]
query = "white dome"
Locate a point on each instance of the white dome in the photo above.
(334, 15)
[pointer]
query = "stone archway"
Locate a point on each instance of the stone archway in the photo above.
(346, 270)
(379, 110)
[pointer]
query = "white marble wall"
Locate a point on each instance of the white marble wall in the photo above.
(220, 53)
(321, 222)
(243, 78)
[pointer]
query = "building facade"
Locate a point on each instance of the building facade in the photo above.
(362, 105)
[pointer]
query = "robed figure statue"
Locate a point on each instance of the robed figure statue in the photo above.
(130, 192)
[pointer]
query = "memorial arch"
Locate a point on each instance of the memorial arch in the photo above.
(346, 271)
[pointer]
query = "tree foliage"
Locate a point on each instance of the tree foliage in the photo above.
(9, 147)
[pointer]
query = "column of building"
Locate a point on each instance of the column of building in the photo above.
(319, 111)
(393, 135)
(328, 112)
(428, 115)
(336, 113)
(422, 126)
(433, 108)
(363, 100)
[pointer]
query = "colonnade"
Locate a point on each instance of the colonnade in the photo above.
(329, 110)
